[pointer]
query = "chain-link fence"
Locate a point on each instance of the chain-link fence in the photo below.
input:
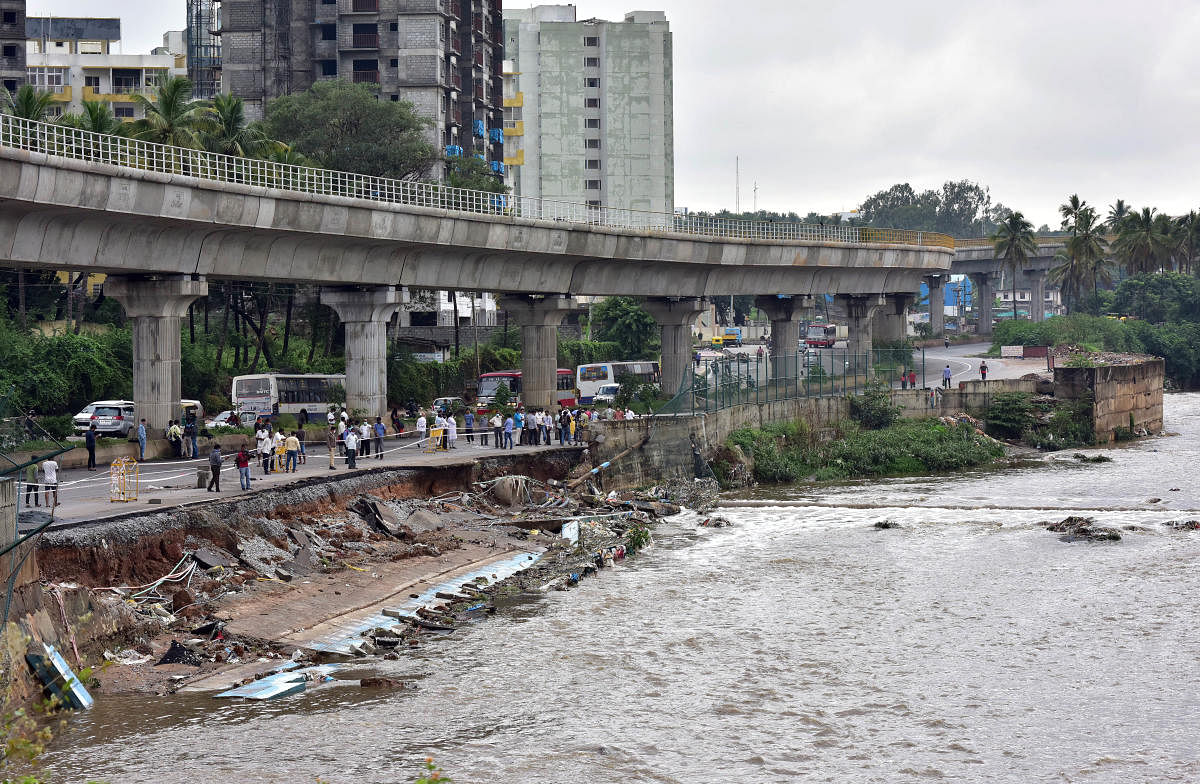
(740, 379)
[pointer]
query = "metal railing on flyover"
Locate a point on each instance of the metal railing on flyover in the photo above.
(987, 242)
(121, 151)
(716, 384)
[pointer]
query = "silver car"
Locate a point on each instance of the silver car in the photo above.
(112, 417)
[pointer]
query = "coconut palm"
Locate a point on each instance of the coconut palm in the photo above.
(1141, 244)
(1067, 275)
(1116, 214)
(98, 117)
(1070, 210)
(172, 117)
(1188, 228)
(230, 133)
(1014, 244)
(28, 102)
(1086, 247)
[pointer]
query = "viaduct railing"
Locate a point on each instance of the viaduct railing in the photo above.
(59, 140)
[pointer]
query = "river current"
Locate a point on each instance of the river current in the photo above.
(802, 644)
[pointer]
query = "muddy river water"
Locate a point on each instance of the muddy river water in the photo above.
(803, 644)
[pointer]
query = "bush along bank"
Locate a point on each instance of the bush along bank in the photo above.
(1045, 422)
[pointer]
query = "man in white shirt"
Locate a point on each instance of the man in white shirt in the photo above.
(330, 418)
(440, 423)
(351, 446)
(364, 438)
(422, 425)
(264, 449)
(276, 448)
(50, 475)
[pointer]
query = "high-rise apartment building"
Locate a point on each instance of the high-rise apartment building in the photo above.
(12, 44)
(443, 56)
(203, 47)
(588, 108)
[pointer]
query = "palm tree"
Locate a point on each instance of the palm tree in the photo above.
(1067, 275)
(1141, 245)
(98, 117)
(1014, 243)
(1116, 214)
(230, 134)
(28, 102)
(1189, 237)
(1070, 210)
(1086, 247)
(173, 117)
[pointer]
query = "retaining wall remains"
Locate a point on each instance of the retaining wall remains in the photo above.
(1126, 396)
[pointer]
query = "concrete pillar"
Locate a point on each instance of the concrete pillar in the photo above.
(891, 320)
(539, 318)
(675, 317)
(156, 306)
(937, 304)
(1037, 294)
(984, 293)
(860, 310)
(786, 313)
(366, 312)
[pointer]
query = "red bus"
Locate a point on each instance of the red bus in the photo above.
(821, 335)
(489, 382)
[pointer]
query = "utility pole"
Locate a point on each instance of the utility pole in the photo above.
(756, 196)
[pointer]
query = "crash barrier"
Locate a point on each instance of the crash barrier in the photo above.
(124, 479)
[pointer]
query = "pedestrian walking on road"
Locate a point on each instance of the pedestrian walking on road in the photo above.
(215, 459)
(946, 341)
(946, 377)
(89, 440)
(983, 369)
(351, 447)
(242, 461)
(31, 483)
(141, 437)
(331, 442)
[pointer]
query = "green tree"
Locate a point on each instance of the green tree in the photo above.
(97, 117)
(27, 102)
(1014, 244)
(623, 321)
(1117, 212)
(472, 173)
(172, 117)
(1141, 244)
(1087, 247)
(346, 127)
(1188, 242)
(228, 132)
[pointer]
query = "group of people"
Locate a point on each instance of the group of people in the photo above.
(353, 438)
(48, 483)
(520, 428)
(182, 434)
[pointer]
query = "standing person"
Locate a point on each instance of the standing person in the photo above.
(397, 425)
(364, 438)
(175, 436)
(277, 451)
(141, 437)
(422, 424)
(947, 340)
(331, 441)
(187, 441)
(983, 369)
(192, 431)
(469, 425)
(50, 481)
(904, 378)
(380, 432)
(481, 424)
(518, 419)
(302, 419)
(946, 377)
(242, 461)
(31, 483)
(264, 449)
(451, 431)
(291, 447)
(341, 436)
(215, 459)
(351, 447)
(508, 432)
(89, 441)
(562, 425)
(303, 452)
(912, 379)
(439, 424)
(498, 430)
(330, 418)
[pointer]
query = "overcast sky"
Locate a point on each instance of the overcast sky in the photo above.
(829, 102)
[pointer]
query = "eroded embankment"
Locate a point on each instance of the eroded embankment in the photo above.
(139, 547)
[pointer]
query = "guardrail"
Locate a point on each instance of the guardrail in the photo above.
(988, 242)
(78, 144)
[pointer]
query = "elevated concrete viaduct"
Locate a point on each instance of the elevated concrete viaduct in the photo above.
(75, 200)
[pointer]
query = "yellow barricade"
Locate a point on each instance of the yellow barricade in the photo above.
(123, 480)
(435, 443)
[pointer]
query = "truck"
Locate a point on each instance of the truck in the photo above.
(732, 336)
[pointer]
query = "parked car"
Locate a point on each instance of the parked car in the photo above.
(606, 393)
(448, 403)
(111, 417)
(83, 420)
(230, 419)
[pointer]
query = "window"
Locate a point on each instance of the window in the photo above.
(10, 85)
(591, 40)
(591, 144)
(394, 27)
(591, 103)
(10, 17)
(395, 97)
(328, 67)
(593, 203)
(592, 163)
(395, 62)
(123, 112)
(328, 32)
(328, 2)
(591, 81)
(59, 44)
(10, 51)
(591, 62)
(591, 185)
(92, 81)
(91, 47)
(591, 122)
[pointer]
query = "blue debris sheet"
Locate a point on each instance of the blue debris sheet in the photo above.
(293, 680)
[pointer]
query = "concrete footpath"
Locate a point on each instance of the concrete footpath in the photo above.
(85, 495)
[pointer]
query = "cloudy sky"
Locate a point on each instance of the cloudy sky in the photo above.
(826, 103)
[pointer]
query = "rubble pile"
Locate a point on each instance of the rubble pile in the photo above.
(1082, 529)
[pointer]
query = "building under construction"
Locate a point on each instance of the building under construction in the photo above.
(204, 47)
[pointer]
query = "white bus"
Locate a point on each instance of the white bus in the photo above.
(589, 378)
(256, 394)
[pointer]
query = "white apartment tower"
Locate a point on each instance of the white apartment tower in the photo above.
(588, 107)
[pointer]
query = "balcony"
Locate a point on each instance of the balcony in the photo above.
(365, 41)
(455, 80)
(454, 116)
(366, 77)
(455, 44)
(364, 6)
(454, 8)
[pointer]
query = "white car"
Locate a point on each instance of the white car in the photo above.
(607, 393)
(229, 419)
(111, 418)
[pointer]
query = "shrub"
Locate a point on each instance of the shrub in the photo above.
(1009, 415)
(873, 409)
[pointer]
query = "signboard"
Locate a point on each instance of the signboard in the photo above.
(1013, 352)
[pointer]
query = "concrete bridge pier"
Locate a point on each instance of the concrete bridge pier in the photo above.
(860, 311)
(539, 318)
(156, 307)
(366, 312)
(675, 316)
(1037, 294)
(984, 293)
(937, 304)
(785, 313)
(891, 320)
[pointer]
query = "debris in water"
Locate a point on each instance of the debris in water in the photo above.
(1084, 528)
